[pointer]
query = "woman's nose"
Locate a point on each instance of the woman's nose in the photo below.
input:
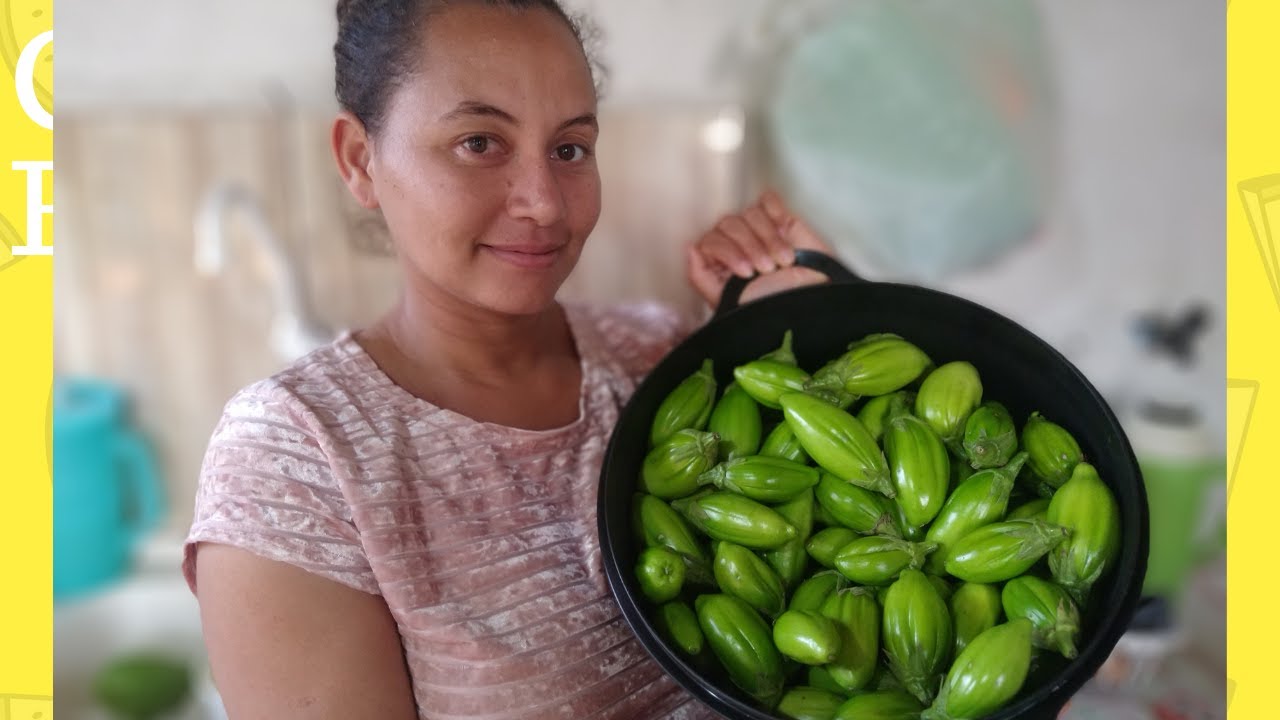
(535, 193)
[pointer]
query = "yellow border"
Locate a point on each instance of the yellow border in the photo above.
(1253, 310)
(1253, 231)
(26, 325)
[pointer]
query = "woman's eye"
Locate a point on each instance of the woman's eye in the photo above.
(477, 144)
(571, 152)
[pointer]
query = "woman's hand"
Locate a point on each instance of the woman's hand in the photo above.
(761, 239)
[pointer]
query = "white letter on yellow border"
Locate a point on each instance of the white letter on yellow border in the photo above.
(36, 208)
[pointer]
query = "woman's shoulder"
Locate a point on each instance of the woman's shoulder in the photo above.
(318, 384)
(267, 483)
(635, 334)
(637, 323)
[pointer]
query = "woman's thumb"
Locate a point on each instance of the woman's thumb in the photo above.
(801, 235)
(795, 231)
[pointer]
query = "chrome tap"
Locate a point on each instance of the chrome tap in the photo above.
(295, 330)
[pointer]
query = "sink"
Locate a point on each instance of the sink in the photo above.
(153, 612)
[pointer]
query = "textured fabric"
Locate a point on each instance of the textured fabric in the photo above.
(481, 538)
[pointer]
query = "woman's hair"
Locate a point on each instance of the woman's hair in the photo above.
(377, 40)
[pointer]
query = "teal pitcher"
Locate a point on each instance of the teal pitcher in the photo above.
(106, 492)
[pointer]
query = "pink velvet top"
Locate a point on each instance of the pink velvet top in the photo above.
(481, 538)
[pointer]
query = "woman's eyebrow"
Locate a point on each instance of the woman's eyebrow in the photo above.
(588, 119)
(472, 108)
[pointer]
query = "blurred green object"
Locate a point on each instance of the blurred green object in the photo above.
(1186, 497)
(143, 686)
(1184, 465)
(918, 134)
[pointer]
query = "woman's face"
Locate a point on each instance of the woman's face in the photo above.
(485, 163)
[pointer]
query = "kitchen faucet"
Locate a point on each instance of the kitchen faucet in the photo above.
(295, 330)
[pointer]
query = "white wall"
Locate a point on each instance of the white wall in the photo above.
(1143, 125)
(190, 53)
(193, 53)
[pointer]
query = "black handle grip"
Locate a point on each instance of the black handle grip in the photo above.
(1049, 711)
(812, 259)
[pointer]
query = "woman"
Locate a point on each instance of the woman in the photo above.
(402, 524)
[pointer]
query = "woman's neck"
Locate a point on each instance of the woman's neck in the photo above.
(474, 343)
(518, 371)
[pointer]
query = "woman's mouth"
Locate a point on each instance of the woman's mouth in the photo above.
(526, 256)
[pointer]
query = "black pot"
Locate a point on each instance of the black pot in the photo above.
(1017, 368)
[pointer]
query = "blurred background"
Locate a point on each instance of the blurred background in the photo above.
(1059, 162)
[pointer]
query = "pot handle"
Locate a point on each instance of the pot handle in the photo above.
(812, 259)
(1050, 711)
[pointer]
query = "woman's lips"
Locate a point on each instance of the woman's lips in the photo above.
(527, 256)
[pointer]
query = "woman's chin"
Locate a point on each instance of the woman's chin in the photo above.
(516, 300)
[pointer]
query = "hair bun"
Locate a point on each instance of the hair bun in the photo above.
(344, 8)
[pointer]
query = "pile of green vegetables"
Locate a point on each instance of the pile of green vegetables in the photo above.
(866, 556)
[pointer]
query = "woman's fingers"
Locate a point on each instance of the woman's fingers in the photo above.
(707, 276)
(720, 248)
(795, 231)
(770, 234)
(772, 204)
(744, 237)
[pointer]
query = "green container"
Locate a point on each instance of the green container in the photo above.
(1185, 475)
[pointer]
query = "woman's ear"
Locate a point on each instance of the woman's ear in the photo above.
(353, 151)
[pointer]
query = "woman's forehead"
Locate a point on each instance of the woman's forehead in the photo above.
(489, 43)
(521, 62)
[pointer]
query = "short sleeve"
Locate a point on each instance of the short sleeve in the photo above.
(266, 486)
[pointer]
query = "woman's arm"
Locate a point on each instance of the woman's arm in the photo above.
(284, 643)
